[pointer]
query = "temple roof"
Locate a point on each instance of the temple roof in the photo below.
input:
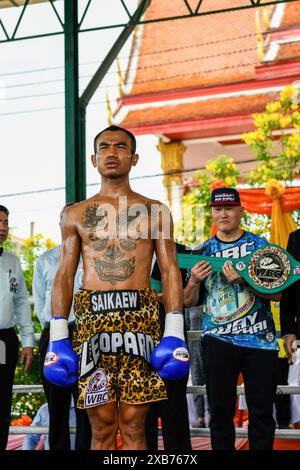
(199, 51)
(197, 69)
(201, 119)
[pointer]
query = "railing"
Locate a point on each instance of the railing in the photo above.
(195, 432)
(192, 389)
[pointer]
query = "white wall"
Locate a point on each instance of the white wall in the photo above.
(197, 154)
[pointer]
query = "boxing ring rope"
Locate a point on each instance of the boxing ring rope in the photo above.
(192, 389)
(195, 432)
(281, 390)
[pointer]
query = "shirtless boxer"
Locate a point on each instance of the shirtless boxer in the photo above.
(117, 327)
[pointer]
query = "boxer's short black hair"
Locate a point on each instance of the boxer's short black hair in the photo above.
(114, 128)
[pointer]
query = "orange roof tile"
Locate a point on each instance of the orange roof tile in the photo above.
(195, 51)
(289, 52)
(201, 110)
(291, 15)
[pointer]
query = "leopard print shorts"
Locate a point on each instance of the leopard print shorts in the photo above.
(114, 335)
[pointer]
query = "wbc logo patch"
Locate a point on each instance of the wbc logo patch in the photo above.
(97, 393)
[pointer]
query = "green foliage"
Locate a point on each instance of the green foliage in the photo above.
(277, 151)
(221, 171)
(34, 247)
(260, 224)
(279, 155)
(28, 403)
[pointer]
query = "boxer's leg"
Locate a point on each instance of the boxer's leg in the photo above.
(104, 424)
(132, 420)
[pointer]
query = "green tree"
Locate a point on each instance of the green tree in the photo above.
(221, 171)
(276, 144)
(276, 140)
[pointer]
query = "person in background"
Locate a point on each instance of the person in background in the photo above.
(238, 329)
(290, 327)
(173, 412)
(58, 398)
(282, 406)
(41, 441)
(194, 316)
(294, 381)
(282, 409)
(14, 310)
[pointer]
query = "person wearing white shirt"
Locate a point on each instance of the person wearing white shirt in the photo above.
(32, 441)
(58, 398)
(14, 310)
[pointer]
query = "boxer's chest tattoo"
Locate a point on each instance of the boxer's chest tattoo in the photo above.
(114, 236)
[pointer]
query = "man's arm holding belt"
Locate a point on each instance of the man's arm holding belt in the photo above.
(199, 272)
(233, 276)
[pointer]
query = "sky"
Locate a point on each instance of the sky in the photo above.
(32, 142)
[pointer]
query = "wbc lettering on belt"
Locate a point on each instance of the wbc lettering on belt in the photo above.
(114, 301)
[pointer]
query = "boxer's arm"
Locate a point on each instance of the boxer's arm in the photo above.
(170, 358)
(62, 288)
(61, 362)
(167, 258)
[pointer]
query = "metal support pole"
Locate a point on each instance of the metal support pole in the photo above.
(74, 115)
(114, 51)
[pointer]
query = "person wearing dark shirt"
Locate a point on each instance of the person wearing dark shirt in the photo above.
(173, 411)
(290, 303)
(238, 330)
(290, 325)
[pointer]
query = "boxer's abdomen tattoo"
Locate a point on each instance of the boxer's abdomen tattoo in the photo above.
(114, 272)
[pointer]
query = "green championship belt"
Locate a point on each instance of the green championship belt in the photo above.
(268, 270)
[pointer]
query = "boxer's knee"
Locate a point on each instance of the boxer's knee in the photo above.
(104, 424)
(103, 437)
(132, 420)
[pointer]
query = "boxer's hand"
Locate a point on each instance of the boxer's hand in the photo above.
(171, 357)
(61, 362)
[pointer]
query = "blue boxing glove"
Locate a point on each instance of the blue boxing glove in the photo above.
(61, 362)
(171, 358)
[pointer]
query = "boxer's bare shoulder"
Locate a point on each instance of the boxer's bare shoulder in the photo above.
(80, 211)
